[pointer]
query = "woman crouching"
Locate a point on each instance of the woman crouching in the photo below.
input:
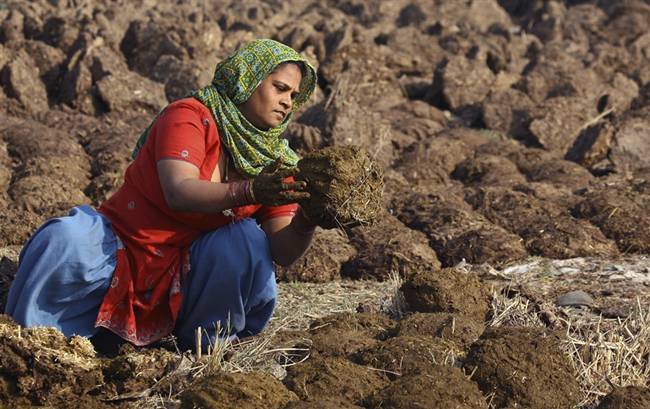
(189, 239)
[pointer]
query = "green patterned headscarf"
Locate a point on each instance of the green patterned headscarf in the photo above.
(235, 80)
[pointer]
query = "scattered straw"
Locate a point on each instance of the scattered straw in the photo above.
(394, 304)
(301, 303)
(608, 353)
(512, 311)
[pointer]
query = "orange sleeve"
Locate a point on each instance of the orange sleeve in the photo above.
(180, 134)
(271, 212)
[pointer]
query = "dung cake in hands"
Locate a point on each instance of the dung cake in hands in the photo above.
(345, 185)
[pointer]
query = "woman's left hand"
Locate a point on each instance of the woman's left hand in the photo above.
(270, 188)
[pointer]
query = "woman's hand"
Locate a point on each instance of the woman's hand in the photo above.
(269, 186)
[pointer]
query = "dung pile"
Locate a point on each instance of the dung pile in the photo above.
(409, 355)
(223, 390)
(523, 367)
(460, 329)
(319, 377)
(344, 334)
(448, 290)
(443, 387)
(345, 184)
(40, 366)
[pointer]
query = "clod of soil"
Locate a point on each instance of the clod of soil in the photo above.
(546, 228)
(389, 248)
(409, 355)
(344, 334)
(440, 387)
(345, 184)
(136, 371)
(520, 366)
(488, 170)
(320, 376)
(322, 261)
(229, 390)
(41, 367)
(629, 397)
(618, 217)
(373, 325)
(448, 290)
(455, 230)
(325, 403)
(455, 327)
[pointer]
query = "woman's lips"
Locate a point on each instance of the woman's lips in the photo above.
(281, 114)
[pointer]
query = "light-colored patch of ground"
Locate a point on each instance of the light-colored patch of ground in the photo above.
(617, 286)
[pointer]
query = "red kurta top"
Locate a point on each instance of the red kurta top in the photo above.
(144, 297)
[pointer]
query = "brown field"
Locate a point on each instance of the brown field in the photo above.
(508, 267)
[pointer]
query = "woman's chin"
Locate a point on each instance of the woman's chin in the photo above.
(272, 124)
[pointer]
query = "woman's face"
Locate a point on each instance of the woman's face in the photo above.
(272, 101)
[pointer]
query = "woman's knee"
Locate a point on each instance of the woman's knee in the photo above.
(62, 229)
(79, 225)
(241, 241)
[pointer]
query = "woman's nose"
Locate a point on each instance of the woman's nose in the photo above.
(286, 102)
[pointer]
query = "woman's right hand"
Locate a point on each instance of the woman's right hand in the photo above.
(270, 187)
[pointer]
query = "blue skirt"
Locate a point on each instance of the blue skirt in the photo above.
(66, 268)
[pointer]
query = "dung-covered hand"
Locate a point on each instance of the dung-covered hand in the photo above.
(270, 188)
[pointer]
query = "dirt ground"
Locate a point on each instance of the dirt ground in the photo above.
(509, 257)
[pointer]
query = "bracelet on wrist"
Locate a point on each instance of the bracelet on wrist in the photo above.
(250, 192)
(239, 193)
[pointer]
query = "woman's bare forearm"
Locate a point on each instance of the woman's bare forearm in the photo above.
(290, 241)
(185, 192)
(194, 195)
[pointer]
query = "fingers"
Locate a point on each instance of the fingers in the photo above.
(298, 186)
(289, 197)
(292, 197)
(298, 196)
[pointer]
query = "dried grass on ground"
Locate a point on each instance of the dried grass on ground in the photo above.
(608, 353)
(605, 353)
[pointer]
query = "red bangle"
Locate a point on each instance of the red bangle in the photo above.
(240, 193)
